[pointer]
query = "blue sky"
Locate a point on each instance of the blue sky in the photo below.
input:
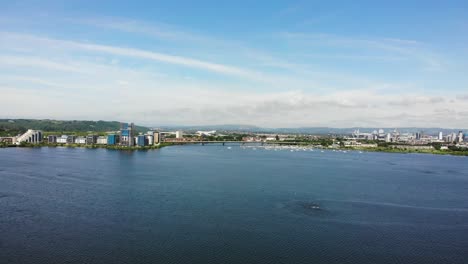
(274, 64)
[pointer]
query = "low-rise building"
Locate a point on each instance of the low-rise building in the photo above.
(62, 139)
(71, 139)
(91, 139)
(113, 139)
(102, 140)
(8, 140)
(52, 139)
(80, 140)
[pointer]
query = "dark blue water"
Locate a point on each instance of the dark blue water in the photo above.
(211, 204)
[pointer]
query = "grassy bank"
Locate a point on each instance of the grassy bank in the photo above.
(421, 151)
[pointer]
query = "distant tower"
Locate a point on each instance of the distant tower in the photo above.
(461, 137)
(453, 137)
(441, 135)
(389, 137)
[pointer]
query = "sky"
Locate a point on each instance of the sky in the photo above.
(265, 63)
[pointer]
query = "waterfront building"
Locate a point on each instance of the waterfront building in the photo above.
(141, 140)
(113, 139)
(102, 140)
(156, 138)
(62, 139)
(149, 139)
(52, 139)
(80, 140)
(71, 139)
(179, 134)
(127, 132)
(31, 136)
(91, 139)
(8, 140)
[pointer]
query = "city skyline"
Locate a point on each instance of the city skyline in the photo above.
(284, 64)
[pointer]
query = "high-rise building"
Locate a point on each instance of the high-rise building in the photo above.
(149, 138)
(141, 140)
(388, 138)
(441, 135)
(179, 134)
(156, 138)
(419, 135)
(127, 133)
(453, 137)
(461, 137)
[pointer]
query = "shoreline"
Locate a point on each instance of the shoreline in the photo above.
(167, 144)
(95, 146)
(403, 151)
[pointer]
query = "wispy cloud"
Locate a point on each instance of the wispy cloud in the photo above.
(394, 48)
(136, 53)
(159, 30)
(298, 79)
(28, 61)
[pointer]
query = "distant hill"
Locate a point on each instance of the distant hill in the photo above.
(308, 130)
(11, 127)
(244, 128)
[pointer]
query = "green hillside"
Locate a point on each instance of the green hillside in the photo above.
(12, 127)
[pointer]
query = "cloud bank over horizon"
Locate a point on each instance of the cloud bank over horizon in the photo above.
(59, 63)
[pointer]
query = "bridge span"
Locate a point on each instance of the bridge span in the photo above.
(206, 142)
